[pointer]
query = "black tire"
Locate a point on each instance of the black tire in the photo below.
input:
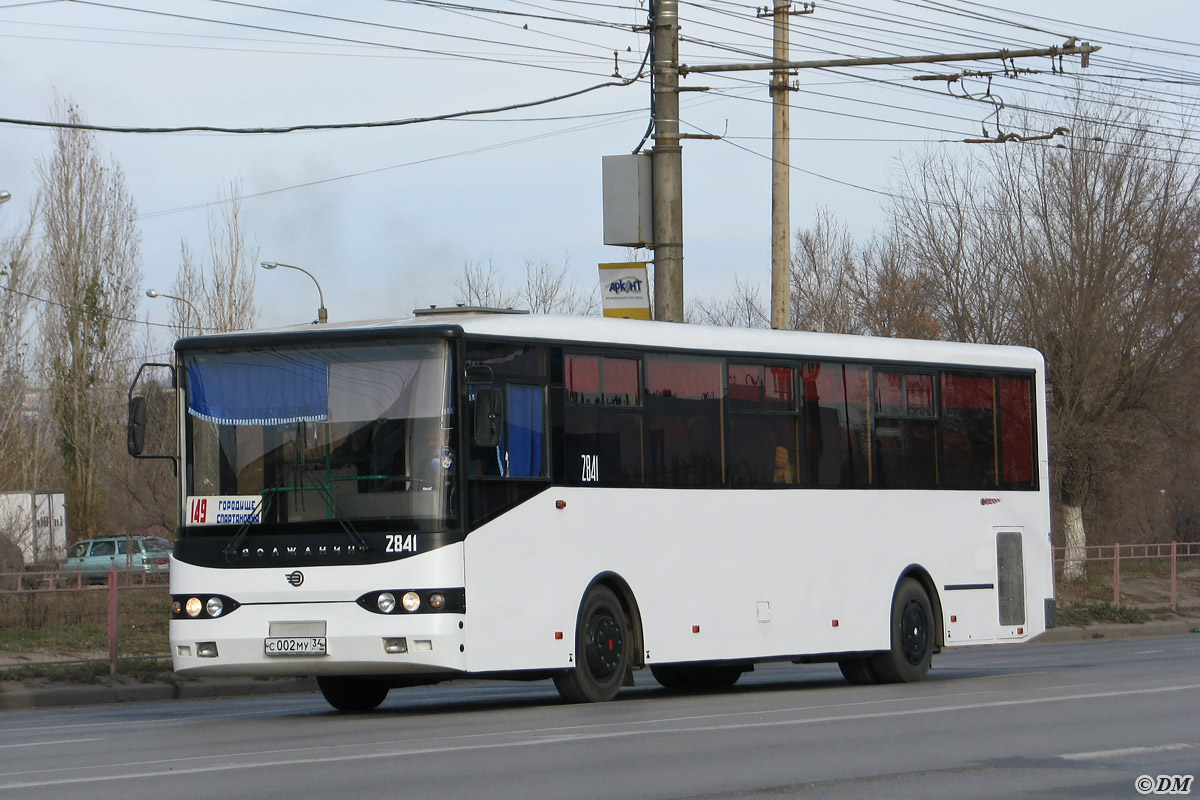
(858, 671)
(696, 677)
(352, 694)
(912, 636)
(602, 644)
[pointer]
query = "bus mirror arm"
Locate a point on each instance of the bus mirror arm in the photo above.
(135, 426)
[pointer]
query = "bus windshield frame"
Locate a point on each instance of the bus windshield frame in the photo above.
(318, 438)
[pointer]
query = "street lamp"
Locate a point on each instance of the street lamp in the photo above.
(322, 315)
(186, 302)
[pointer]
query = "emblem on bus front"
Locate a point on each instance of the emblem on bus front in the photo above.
(295, 578)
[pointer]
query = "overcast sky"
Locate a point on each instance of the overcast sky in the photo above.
(387, 217)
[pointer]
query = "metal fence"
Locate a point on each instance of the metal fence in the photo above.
(58, 618)
(1155, 575)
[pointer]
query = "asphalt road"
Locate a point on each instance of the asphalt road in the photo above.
(1068, 720)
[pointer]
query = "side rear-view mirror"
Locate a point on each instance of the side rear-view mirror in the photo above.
(489, 416)
(136, 426)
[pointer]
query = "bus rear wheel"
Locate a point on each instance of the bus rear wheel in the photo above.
(912, 636)
(351, 694)
(601, 650)
(696, 677)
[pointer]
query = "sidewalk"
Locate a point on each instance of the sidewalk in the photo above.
(40, 694)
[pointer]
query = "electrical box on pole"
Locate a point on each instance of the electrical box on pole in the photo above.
(628, 212)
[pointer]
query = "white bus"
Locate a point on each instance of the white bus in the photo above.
(395, 503)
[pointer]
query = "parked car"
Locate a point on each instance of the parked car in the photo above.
(95, 557)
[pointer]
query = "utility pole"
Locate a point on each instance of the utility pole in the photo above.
(781, 174)
(667, 154)
(666, 165)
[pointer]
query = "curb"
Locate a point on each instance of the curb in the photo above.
(16, 695)
(1117, 631)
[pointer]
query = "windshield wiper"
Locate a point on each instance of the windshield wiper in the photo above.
(260, 508)
(346, 525)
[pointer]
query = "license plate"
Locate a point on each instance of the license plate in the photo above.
(294, 646)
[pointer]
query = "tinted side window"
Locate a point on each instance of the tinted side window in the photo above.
(684, 444)
(1016, 432)
(602, 421)
(762, 449)
(835, 424)
(905, 431)
(104, 548)
(968, 431)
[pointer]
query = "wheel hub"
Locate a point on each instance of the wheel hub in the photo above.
(605, 646)
(914, 640)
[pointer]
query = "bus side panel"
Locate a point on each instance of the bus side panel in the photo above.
(738, 574)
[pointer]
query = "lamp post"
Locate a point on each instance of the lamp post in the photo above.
(186, 302)
(322, 315)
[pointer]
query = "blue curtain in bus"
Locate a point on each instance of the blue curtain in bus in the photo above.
(523, 433)
(258, 390)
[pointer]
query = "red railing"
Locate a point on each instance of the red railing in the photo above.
(31, 602)
(1083, 559)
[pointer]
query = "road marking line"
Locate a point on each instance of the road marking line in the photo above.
(538, 737)
(60, 741)
(1125, 751)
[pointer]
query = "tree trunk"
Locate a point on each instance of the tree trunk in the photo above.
(1076, 541)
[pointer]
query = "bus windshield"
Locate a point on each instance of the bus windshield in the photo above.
(321, 434)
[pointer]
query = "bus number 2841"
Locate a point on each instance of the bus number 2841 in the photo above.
(399, 543)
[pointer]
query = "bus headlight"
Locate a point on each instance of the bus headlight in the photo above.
(437, 601)
(411, 601)
(203, 606)
(386, 602)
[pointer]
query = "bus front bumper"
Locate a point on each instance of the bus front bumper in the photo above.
(317, 639)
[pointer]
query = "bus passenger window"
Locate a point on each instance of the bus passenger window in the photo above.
(968, 432)
(1016, 433)
(835, 414)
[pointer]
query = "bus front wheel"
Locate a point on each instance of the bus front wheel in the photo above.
(601, 650)
(351, 694)
(912, 636)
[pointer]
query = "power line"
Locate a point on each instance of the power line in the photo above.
(91, 313)
(321, 126)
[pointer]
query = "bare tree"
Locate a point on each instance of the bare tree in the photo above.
(89, 269)
(222, 291)
(743, 308)
(947, 224)
(24, 458)
(483, 287)
(1107, 257)
(1088, 252)
(892, 295)
(546, 291)
(823, 277)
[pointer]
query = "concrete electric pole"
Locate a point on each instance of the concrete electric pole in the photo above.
(781, 174)
(666, 168)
